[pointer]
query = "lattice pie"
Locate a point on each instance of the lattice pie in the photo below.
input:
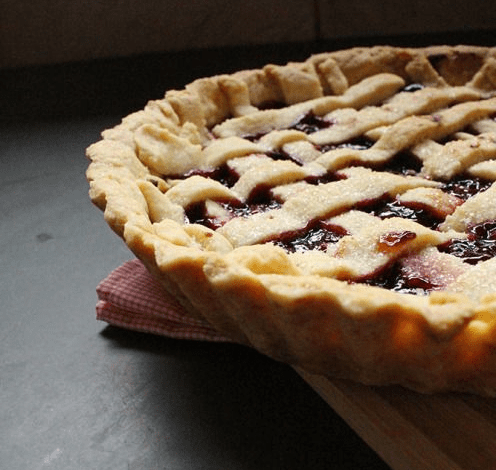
(338, 214)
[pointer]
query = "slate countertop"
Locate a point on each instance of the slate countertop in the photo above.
(76, 394)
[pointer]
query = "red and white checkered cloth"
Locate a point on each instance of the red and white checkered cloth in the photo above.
(131, 298)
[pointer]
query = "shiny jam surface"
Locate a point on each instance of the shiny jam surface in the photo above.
(397, 279)
(480, 244)
(387, 207)
(465, 187)
(310, 123)
(317, 235)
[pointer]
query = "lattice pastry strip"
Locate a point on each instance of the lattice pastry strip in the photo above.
(455, 157)
(436, 201)
(475, 210)
(368, 92)
(327, 199)
(484, 170)
(269, 174)
(408, 132)
(370, 249)
(348, 123)
(475, 282)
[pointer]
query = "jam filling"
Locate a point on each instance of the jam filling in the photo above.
(317, 235)
(310, 123)
(196, 213)
(387, 207)
(389, 242)
(358, 143)
(403, 163)
(307, 123)
(260, 199)
(480, 244)
(413, 87)
(282, 155)
(397, 279)
(328, 177)
(465, 187)
(224, 174)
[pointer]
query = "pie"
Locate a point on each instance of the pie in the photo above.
(337, 214)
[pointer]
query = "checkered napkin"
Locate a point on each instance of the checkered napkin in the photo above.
(131, 298)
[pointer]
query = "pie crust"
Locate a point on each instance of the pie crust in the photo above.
(293, 134)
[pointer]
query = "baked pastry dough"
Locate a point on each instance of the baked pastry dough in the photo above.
(337, 214)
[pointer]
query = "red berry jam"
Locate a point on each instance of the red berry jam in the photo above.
(465, 187)
(480, 244)
(387, 207)
(397, 279)
(317, 235)
(310, 123)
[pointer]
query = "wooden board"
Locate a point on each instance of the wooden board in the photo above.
(411, 431)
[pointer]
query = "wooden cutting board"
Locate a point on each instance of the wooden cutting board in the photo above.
(411, 431)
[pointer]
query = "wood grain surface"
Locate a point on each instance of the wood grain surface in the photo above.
(411, 431)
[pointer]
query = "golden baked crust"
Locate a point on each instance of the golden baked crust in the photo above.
(316, 307)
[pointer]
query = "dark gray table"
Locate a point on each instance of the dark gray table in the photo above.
(76, 394)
